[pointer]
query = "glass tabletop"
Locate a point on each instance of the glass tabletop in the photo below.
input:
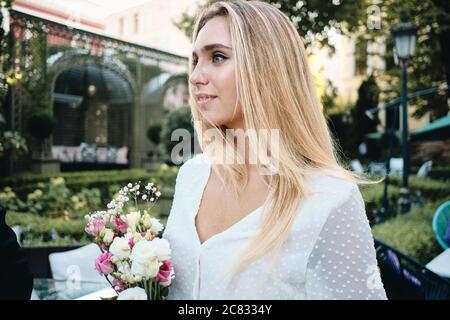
(50, 289)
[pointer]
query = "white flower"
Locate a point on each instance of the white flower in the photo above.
(135, 293)
(147, 220)
(163, 250)
(158, 194)
(147, 270)
(123, 267)
(129, 185)
(120, 248)
(152, 199)
(156, 226)
(133, 219)
(143, 251)
(108, 236)
(144, 197)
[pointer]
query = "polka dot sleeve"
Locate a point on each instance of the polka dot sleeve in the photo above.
(342, 264)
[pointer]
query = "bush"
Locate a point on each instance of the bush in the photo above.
(10, 201)
(178, 119)
(41, 125)
(412, 233)
(36, 229)
(428, 188)
(76, 181)
(373, 198)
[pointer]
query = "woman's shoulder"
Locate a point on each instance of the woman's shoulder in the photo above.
(328, 184)
(193, 167)
(328, 192)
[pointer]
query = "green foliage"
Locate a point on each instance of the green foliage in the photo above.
(13, 144)
(428, 188)
(153, 133)
(178, 119)
(412, 233)
(39, 230)
(41, 125)
(10, 201)
(373, 198)
(313, 19)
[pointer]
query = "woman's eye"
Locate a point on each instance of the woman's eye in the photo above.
(217, 57)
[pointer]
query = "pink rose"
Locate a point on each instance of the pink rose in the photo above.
(118, 285)
(120, 224)
(131, 242)
(164, 271)
(95, 227)
(103, 263)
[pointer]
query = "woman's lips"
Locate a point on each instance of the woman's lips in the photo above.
(203, 101)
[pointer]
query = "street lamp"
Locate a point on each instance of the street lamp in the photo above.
(404, 36)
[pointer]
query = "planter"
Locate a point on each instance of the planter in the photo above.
(45, 166)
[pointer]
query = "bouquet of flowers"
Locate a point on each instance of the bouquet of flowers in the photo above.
(133, 255)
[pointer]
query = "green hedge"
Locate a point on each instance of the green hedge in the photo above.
(431, 189)
(373, 198)
(106, 181)
(38, 229)
(412, 233)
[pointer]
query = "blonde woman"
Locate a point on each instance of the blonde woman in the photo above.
(286, 223)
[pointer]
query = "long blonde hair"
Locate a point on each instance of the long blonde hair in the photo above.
(275, 90)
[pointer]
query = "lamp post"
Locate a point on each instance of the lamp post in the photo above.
(404, 36)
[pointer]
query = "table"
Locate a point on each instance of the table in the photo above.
(50, 289)
(441, 264)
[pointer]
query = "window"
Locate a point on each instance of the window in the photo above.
(121, 27)
(136, 23)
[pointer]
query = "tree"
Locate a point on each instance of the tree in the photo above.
(178, 119)
(312, 18)
(430, 64)
(369, 22)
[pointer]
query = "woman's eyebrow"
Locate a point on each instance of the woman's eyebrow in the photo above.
(210, 47)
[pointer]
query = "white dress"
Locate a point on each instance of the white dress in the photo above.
(329, 253)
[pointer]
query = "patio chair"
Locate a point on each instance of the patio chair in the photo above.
(440, 222)
(357, 166)
(405, 278)
(396, 166)
(425, 169)
(76, 264)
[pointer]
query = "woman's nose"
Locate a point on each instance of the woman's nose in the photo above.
(198, 77)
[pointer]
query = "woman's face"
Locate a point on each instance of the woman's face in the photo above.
(212, 81)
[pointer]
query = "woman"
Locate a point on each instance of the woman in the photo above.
(290, 225)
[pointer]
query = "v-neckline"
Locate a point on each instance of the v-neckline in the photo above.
(197, 209)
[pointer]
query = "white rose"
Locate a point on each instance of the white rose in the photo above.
(108, 236)
(120, 248)
(123, 267)
(143, 251)
(147, 270)
(133, 219)
(147, 220)
(163, 250)
(156, 225)
(135, 293)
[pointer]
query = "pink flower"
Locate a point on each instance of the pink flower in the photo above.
(131, 242)
(164, 271)
(120, 224)
(95, 227)
(103, 263)
(118, 285)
